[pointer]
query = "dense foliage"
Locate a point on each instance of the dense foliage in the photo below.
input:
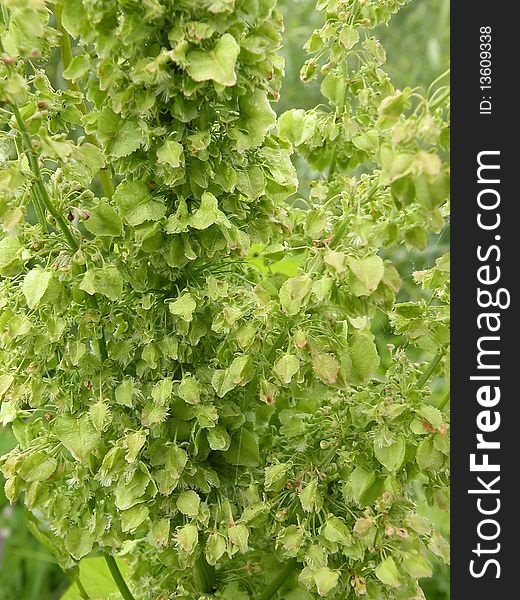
(188, 357)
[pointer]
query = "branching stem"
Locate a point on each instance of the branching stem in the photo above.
(41, 190)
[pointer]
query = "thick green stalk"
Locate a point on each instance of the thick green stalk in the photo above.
(118, 578)
(204, 576)
(39, 185)
(270, 591)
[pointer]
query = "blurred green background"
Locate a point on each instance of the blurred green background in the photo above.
(417, 44)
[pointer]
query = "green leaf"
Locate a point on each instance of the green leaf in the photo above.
(388, 573)
(440, 547)
(428, 458)
(176, 460)
(130, 493)
(218, 438)
(133, 517)
(74, 17)
(416, 565)
(79, 541)
(162, 390)
(310, 498)
(77, 434)
(104, 221)
(297, 126)
(189, 503)
(35, 285)
(84, 163)
(286, 367)
(368, 273)
(336, 260)
(233, 591)
(361, 481)
(188, 537)
(178, 222)
(364, 359)
(275, 476)
(291, 538)
(392, 107)
(189, 390)
(432, 415)
(99, 414)
(171, 153)
(183, 307)
(136, 204)
(326, 367)
(208, 213)
(37, 467)
(238, 373)
(134, 443)
(238, 535)
(391, 456)
(336, 531)
(295, 293)
(153, 413)
(215, 547)
(126, 140)
(124, 392)
(119, 136)
(243, 450)
(326, 580)
(348, 37)
(103, 280)
(251, 182)
(159, 534)
(10, 250)
(217, 64)
(79, 66)
(256, 118)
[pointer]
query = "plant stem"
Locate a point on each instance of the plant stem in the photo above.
(204, 576)
(444, 402)
(431, 368)
(39, 210)
(37, 203)
(103, 346)
(278, 581)
(66, 58)
(439, 99)
(118, 578)
(82, 591)
(39, 185)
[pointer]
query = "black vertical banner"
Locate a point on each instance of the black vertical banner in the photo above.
(485, 240)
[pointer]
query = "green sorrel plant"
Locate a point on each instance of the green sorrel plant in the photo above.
(187, 358)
